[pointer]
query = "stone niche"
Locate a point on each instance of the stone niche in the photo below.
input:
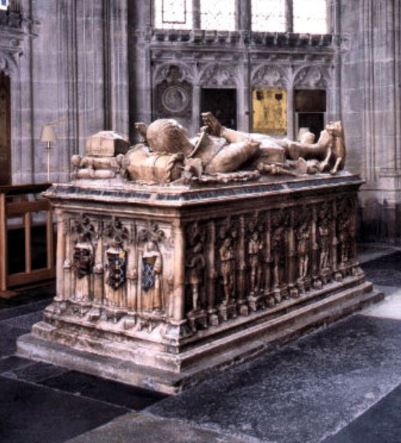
(160, 286)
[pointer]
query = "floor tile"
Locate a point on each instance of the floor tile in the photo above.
(384, 271)
(380, 424)
(24, 322)
(14, 362)
(35, 373)
(8, 337)
(134, 428)
(105, 390)
(305, 391)
(35, 414)
(16, 311)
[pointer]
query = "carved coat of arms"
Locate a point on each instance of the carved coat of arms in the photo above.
(117, 265)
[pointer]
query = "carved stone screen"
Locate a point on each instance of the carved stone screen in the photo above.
(217, 14)
(268, 16)
(5, 139)
(269, 107)
(310, 108)
(173, 14)
(310, 16)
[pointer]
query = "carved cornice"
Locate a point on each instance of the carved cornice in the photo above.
(242, 38)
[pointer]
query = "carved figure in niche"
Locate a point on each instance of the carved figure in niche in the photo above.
(255, 248)
(303, 237)
(83, 254)
(278, 248)
(83, 259)
(196, 266)
(324, 244)
(152, 267)
(227, 268)
(329, 149)
(346, 228)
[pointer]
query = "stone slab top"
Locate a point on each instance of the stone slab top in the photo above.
(122, 192)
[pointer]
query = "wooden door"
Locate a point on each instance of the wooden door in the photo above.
(5, 130)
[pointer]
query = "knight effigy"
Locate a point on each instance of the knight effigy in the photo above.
(178, 257)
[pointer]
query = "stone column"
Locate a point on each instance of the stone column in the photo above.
(289, 18)
(290, 113)
(196, 21)
(179, 273)
(60, 257)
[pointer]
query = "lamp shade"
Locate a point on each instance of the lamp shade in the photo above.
(48, 134)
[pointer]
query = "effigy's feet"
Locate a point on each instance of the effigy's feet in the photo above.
(213, 125)
(141, 129)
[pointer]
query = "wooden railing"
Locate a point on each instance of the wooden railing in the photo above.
(20, 202)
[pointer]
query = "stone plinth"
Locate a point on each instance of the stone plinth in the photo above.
(159, 286)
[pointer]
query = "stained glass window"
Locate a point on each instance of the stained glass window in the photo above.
(310, 16)
(4, 4)
(173, 14)
(218, 14)
(268, 16)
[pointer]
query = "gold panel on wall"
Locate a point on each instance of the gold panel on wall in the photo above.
(269, 106)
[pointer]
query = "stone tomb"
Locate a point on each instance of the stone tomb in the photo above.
(160, 286)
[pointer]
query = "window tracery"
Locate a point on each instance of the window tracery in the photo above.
(173, 14)
(310, 16)
(218, 15)
(268, 15)
(299, 16)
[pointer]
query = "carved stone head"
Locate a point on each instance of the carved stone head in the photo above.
(168, 136)
(335, 128)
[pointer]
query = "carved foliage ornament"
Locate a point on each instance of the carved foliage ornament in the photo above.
(269, 75)
(218, 75)
(312, 77)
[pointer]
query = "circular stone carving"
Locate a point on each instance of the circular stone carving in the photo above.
(175, 99)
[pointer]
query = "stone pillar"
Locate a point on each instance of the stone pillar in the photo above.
(140, 73)
(196, 21)
(60, 256)
(179, 273)
(290, 113)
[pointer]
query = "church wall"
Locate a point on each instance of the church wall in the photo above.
(70, 69)
(371, 109)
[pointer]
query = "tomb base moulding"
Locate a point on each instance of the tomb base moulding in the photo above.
(160, 286)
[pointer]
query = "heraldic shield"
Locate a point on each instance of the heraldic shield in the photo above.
(148, 273)
(117, 264)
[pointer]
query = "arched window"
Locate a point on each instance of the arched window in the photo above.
(268, 15)
(4, 4)
(310, 16)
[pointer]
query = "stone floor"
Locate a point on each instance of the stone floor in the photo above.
(338, 384)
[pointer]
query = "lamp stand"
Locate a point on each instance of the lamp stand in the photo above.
(48, 148)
